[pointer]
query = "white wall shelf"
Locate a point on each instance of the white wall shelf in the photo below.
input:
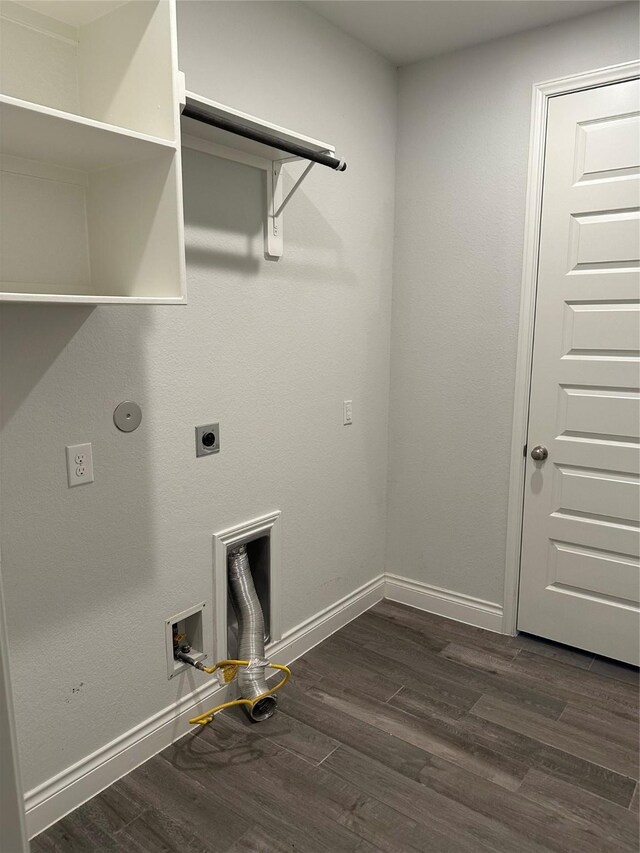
(38, 133)
(231, 142)
(90, 154)
(232, 145)
(90, 162)
(110, 60)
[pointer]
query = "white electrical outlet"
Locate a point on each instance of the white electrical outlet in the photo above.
(79, 464)
(347, 412)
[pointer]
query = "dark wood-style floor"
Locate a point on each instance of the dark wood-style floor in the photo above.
(403, 731)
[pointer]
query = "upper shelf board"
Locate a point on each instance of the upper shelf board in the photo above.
(229, 140)
(34, 132)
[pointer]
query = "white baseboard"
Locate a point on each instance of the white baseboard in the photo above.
(443, 602)
(308, 634)
(63, 793)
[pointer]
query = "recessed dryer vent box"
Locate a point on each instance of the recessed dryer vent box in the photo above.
(262, 539)
(195, 625)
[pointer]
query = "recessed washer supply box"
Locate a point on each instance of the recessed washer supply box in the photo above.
(195, 624)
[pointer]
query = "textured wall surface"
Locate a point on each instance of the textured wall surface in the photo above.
(270, 349)
(463, 138)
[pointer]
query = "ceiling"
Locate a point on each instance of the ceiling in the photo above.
(408, 30)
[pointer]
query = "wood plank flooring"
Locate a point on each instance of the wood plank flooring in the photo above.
(402, 732)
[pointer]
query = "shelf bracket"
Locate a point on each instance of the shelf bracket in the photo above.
(294, 188)
(276, 204)
(274, 243)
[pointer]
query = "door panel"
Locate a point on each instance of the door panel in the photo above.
(600, 240)
(606, 496)
(591, 413)
(601, 329)
(580, 578)
(593, 571)
(608, 148)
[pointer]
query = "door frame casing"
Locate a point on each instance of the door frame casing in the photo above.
(542, 92)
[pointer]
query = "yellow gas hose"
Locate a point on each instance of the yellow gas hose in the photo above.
(229, 670)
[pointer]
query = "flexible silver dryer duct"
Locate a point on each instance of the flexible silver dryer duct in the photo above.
(251, 679)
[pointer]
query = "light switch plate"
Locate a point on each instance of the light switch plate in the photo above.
(79, 464)
(347, 412)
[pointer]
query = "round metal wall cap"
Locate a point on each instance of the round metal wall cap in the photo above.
(127, 416)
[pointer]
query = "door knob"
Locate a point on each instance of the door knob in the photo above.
(539, 453)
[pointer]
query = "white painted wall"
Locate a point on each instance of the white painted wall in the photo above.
(461, 182)
(270, 349)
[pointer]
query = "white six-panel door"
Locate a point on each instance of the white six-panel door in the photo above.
(579, 580)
